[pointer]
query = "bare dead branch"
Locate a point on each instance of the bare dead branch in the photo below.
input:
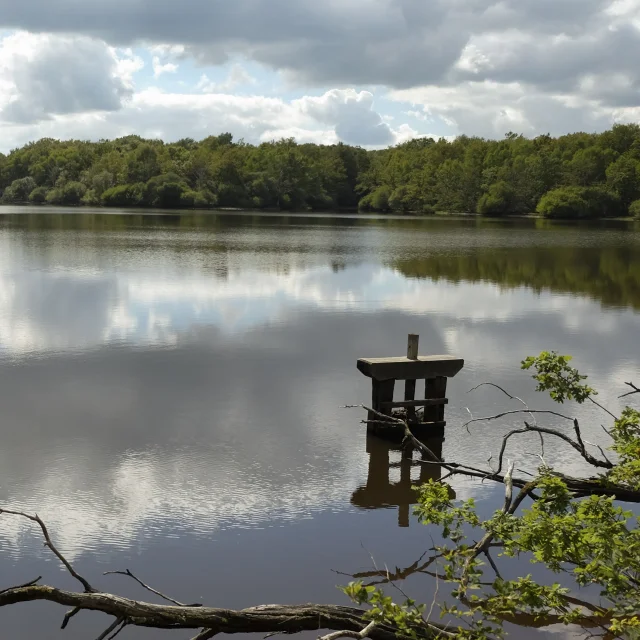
(26, 584)
(602, 453)
(497, 386)
(578, 446)
(207, 634)
(114, 625)
(487, 554)
(358, 635)
(613, 415)
(123, 624)
(511, 397)
(516, 412)
(67, 617)
(631, 393)
(87, 587)
(508, 488)
(128, 573)
(399, 574)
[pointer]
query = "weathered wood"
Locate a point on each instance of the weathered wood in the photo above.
(400, 404)
(409, 398)
(382, 393)
(417, 424)
(413, 342)
(389, 430)
(412, 346)
(406, 369)
(435, 388)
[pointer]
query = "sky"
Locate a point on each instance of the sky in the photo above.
(366, 72)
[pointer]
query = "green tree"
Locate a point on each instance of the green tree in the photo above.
(38, 195)
(19, 190)
(380, 199)
(587, 166)
(623, 177)
(70, 194)
(498, 201)
(566, 202)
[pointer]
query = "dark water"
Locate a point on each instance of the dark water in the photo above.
(171, 388)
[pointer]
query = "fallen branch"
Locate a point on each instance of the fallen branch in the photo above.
(286, 619)
(263, 619)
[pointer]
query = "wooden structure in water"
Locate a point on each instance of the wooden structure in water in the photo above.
(384, 372)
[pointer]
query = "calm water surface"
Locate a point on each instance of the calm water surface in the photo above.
(171, 387)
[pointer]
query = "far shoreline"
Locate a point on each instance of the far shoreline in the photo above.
(34, 209)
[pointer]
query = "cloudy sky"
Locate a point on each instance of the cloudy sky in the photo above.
(368, 72)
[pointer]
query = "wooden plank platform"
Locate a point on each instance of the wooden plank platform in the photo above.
(403, 368)
(405, 404)
(392, 432)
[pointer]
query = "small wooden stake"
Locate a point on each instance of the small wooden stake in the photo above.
(412, 346)
(410, 385)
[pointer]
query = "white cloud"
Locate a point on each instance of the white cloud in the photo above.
(532, 66)
(337, 115)
(351, 113)
(491, 109)
(159, 68)
(45, 75)
(238, 77)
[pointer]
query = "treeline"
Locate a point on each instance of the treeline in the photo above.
(579, 175)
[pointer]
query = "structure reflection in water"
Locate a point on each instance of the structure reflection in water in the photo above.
(381, 491)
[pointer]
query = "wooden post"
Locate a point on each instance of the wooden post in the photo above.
(382, 391)
(435, 388)
(410, 385)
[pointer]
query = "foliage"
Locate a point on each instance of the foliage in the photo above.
(68, 194)
(38, 195)
(634, 209)
(553, 374)
(586, 542)
(626, 437)
(498, 201)
(565, 202)
(577, 175)
(19, 190)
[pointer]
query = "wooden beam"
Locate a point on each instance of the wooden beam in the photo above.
(406, 369)
(394, 425)
(427, 402)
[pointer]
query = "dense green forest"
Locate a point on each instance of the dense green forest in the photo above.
(579, 175)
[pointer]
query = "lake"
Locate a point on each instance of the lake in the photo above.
(171, 388)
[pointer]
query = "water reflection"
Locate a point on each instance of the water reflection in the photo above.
(382, 489)
(171, 386)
